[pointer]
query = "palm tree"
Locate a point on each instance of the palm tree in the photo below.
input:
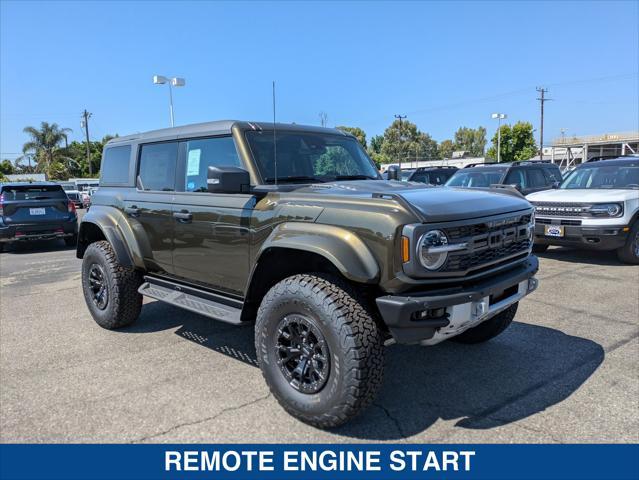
(45, 144)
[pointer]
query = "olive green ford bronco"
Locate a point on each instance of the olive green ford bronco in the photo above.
(292, 227)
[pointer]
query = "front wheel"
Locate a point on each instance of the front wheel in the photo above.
(110, 289)
(489, 328)
(319, 349)
(629, 253)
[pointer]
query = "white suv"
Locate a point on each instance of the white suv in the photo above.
(596, 206)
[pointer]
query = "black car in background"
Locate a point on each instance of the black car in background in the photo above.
(36, 211)
(432, 175)
(527, 177)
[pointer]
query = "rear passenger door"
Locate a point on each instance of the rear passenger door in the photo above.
(211, 240)
(149, 206)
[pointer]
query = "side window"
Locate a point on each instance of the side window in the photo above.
(204, 153)
(115, 165)
(420, 177)
(516, 176)
(536, 178)
(553, 175)
(157, 166)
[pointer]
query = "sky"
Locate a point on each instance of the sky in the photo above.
(443, 65)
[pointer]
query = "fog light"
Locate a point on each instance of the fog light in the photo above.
(533, 283)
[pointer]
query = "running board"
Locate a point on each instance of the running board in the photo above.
(193, 302)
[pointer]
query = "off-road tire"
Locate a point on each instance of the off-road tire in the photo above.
(488, 329)
(539, 248)
(71, 241)
(355, 343)
(628, 253)
(124, 302)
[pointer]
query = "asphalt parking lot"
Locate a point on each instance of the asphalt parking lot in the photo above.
(566, 371)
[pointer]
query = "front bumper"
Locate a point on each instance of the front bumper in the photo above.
(608, 237)
(13, 233)
(451, 311)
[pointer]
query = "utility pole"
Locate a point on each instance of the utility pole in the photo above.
(85, 123)
(542, 98)
(400, 118)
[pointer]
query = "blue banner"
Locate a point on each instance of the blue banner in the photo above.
(308, 462)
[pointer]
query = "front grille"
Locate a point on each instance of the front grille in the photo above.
(489, 243)
(561, 209)
(548, 221)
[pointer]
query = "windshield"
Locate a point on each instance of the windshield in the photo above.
(475, 178)
(603, 176)
(309, 157)
(406, 174)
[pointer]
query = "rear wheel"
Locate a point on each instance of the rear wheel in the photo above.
(488, 329)
(110, 289)
(319, 349)
(629, 253)
(539, 248)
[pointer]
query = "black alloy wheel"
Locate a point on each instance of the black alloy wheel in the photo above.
(302, 353)
(99, 286)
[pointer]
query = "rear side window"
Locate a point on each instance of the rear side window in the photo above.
(27, 192)
(516, 177)
(115, 165)
(204, 153)
(536, 178)
(157, 166)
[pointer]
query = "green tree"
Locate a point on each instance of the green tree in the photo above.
(357, 132)
(471, 140)
(446, 149)
(376, 143)
(411, 143)
(78, 152)
(517, 143)
(45, 143)
(7, 167)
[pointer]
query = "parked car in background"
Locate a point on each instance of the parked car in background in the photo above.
(72, 192)
(36, 211)
(85, 198)
(432, 175)
(527, 177)
(597, 206)
(405, 174)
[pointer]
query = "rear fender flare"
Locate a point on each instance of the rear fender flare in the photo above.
(118, 231)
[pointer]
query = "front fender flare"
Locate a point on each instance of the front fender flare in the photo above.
(343, 248)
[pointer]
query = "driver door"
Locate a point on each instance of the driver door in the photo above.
(211, 239)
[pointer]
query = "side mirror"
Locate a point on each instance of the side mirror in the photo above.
(555, 185)
(517, 186)
(228, 180)
(393, 172)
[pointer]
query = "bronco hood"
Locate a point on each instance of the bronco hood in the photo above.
(432, 204)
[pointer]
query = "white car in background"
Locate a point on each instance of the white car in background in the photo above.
(596, 206)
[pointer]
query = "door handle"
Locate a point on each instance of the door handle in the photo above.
(132, 211)
(183, 216)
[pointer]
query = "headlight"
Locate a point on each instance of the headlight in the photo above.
(606, 210)
(432, 249)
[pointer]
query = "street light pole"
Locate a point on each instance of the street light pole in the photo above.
(172, 82)
(400, 143)
(499, 117)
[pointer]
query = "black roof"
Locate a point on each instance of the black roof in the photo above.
(31, 184)
(615, 162)
(440, 167)
(506, 165)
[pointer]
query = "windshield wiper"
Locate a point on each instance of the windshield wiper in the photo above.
(294, 178)
(355, 177)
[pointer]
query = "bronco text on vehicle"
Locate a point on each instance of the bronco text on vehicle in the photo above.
(596, 207)
(292, 227)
